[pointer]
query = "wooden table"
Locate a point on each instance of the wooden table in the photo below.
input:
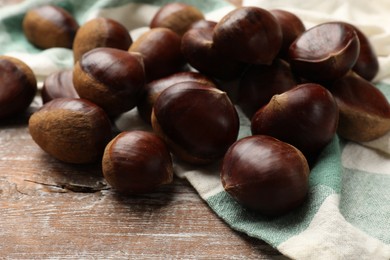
(54, 210)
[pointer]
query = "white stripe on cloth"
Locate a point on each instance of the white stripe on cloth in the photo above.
(333, 237)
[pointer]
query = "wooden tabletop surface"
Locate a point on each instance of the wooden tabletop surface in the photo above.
(54, 210)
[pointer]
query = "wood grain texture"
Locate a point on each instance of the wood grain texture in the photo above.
(51, 209)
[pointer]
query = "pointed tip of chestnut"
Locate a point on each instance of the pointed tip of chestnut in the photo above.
(324, 52)
(265, 175)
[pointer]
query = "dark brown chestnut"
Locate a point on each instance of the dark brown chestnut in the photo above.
(18, 86)
(305, 116)
(203, 24)
(111, 78)
(176, 16)
(325, 52)
(197, 47)
(151, 90)
(265, 175)
(248, 34)
(58, 85)
(50, 26)
(364, 110)
(260, 82)
(100, 32)
(160, 49)
(71, 130)
(367, 64)
(137, 162)
(292, 27)
(197, 121)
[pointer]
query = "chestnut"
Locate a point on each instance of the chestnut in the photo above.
(364, 110)
(292, 27)
(50, 26)
(203, 24)
(137, 162)
(265, 175)
(100, 32)
(197, 121)
(151, 90)
(18, 86)
(176, 16)
(305, 116)
(197, 47)
(71, 130)
(325, 52)
(160, 49)
(367, 64)
(111, 78)
(57, 85)
(248, 34)
(260, 82)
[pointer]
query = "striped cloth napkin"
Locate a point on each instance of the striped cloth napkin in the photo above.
(347, 214)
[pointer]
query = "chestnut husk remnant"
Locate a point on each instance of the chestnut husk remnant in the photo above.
(160, 49)
(305, 116)
(100, 32)
(292, 27)
(71, 130)
(50, 26)
(367, 64)
(18, 86)
(265, 175)
(364, 110)
(58, 85)
(325, 52)
(260, 82)
(198, 49)
(248, 34)
(151, 90)
(176, 16)
(111, 78)
(197, 121)
(137, 162)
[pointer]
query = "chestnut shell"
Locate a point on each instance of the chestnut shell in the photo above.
(265, 175)
(198, 121)
(58, 85)
(71, 130)
(305, 117)
(137, 162)
(248, 34)
(18, 86)
(324, 52)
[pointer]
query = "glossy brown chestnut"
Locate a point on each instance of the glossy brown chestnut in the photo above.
(364, 110)
(265, 175)
(203, 24)
(50, 26)
(151, 90)
(305, 117)
(260, 82)
(325, 52)
(197, 121)
(367, 64)
(111, 78)
(100, 32)
(248, 34)
(197, 47)
(160, 49)
(18, 86)
(58, 85)
(292, 27)
(137, 162)
(71, 130)
(176, 16)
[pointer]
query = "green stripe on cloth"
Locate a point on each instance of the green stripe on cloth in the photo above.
(365, 202)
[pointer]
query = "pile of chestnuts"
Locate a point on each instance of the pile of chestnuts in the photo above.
(187, 76)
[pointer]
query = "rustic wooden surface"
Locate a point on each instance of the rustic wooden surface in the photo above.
(52, 210)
